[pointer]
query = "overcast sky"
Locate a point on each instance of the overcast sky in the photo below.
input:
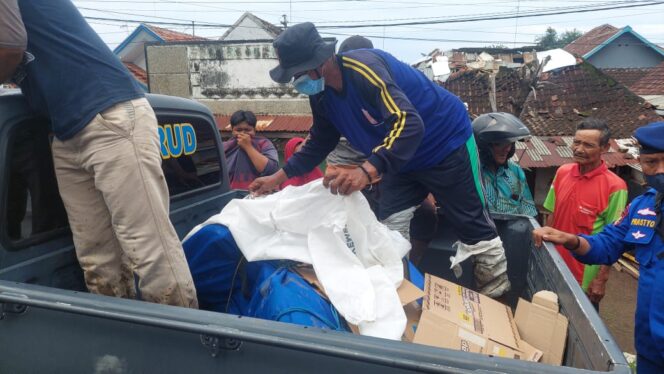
(646, 20)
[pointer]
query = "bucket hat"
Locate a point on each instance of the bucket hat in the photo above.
(299, 48)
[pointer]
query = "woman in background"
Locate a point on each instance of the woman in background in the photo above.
(248, 156)
(293, 146)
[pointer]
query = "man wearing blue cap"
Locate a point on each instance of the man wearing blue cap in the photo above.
(640, 229)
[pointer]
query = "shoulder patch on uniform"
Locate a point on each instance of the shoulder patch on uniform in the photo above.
(647, 212)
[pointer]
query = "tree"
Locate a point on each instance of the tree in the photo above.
(551, 39)
(569, 36)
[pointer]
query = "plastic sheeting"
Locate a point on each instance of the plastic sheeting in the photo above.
(357, 259)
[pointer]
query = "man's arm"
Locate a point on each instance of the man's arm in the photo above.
(550, 202)
(405, 125)
(323, 137)
(13, 39)
(270, 153)
(604, 248)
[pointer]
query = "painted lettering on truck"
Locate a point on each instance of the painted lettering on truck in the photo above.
(177, 140)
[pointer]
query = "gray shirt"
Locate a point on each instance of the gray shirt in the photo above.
(12, 31)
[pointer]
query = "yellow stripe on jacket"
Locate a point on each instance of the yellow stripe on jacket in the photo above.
(374, 79)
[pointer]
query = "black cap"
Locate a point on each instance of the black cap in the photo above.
(651, 137)
(299, 48)
(355, 42)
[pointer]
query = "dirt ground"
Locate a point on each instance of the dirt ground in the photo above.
(617, 308)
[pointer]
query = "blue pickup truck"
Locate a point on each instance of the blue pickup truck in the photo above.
(49, 323)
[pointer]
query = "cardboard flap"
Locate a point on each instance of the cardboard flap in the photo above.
(437, 331)
(530, 353)
(546, 299)
(543, 328)
(470, 310)
(409, 292)
(308, 274)
(413, 314)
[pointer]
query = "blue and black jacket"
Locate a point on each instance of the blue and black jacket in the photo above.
(390, 111)
(637, 231)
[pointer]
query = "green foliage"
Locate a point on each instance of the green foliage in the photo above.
(551, 39)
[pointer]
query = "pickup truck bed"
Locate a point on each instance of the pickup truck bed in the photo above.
(48, 323)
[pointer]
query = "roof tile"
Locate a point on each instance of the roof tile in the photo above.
(583, 91)
(138, 73)
(588, 41)
(173, 36)
(627, 76)
(652, 83)
(473, 87)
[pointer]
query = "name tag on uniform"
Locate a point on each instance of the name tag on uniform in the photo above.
(641, 226)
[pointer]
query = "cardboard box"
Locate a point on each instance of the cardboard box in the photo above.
(458, 318)
(408, 295)
(542, 326)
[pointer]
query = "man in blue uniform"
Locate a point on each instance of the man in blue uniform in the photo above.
(640, 229)
(416, 136)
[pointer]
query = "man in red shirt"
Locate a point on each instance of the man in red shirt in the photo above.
(584, 197)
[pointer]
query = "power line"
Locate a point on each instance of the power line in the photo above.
(418, 21)
(490, 17)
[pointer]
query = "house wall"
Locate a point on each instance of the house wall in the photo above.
(626, 51)
(247, 30)
(225, 76)
(218, 70)
(134, 51)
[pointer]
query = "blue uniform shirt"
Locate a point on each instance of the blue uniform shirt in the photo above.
(636, 231)
(74, 75)
(391, 112)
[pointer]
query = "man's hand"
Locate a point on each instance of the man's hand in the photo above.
(345, 180)
(554, 236)
(597, 286)
(264, 185)
(596, 289)
(244, 140)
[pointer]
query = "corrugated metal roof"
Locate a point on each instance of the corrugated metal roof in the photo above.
(564, 151)
(553, 151)
(274, 123)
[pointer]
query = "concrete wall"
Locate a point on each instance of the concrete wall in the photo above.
(168, 67)
(225, 76)
(259, 106)
(626, 51)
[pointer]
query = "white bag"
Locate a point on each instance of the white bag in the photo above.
(357, 259)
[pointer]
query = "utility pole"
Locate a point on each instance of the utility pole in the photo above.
(193, 28)
(284, 21)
